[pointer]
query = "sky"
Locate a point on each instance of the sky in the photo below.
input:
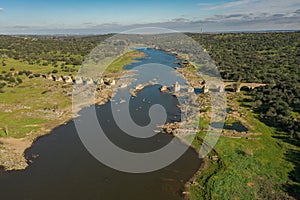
(97, 16)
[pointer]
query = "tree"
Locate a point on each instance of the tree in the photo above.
(19, 80)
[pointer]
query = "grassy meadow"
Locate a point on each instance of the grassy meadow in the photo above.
(255, 167)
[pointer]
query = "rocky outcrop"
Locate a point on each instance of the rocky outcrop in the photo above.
(170, 128)
(177, 87)
(89, 81)
(185, 64)
(164, 89)
(191, 90)
(68, 79)
(78, 81)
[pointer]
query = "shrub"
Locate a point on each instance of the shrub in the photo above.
(19, 80)
(45, 63)
(27, 73)
(2, 85)
(12, 80)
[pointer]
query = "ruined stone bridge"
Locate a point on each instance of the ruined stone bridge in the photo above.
(238, 86)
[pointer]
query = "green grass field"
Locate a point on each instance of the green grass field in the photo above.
(28, 107)
(122, 61)
(247, 169)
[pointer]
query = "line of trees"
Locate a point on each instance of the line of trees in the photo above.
(271, 58)
(48, 50)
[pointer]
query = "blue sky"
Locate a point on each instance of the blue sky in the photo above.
(34, 16)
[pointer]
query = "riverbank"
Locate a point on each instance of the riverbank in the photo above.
(45, 105)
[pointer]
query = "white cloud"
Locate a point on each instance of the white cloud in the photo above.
(1, 9)
(253, 14)
(253, 6)
(222, 6)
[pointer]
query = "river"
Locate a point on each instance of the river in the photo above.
(61, 167)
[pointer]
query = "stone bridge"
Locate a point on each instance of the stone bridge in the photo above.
(238, 86)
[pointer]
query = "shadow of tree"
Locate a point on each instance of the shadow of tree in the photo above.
(292, 187)
(237, 126)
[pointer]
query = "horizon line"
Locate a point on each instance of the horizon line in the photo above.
(184, 32)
